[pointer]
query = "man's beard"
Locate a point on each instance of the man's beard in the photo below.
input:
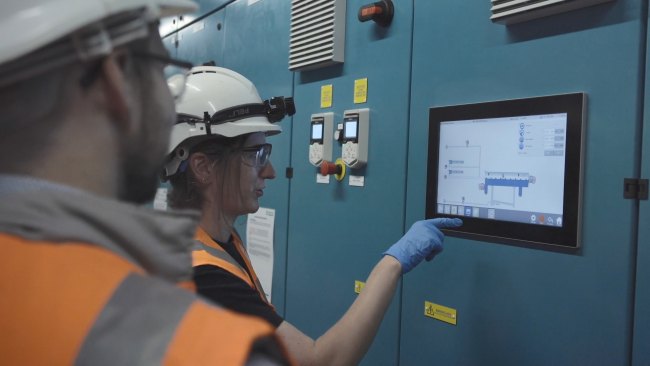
(144, 154)
(142, 163)
(140, 180)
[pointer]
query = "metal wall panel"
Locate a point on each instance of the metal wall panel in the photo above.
(203, 41)
(172, 24)
(337, 232)
(641, 356)
(208, 6)
(170, 45)
(519, 305)
(640, 353)
(167, 26)
(257, 43)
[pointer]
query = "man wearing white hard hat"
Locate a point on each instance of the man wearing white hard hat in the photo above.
(87, 276)
(218, 163)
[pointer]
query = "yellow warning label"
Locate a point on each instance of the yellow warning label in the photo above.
(360, 90)
(442, 313)
(358, 286)
(326, 96)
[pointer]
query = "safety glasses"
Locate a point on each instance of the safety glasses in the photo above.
(257, 156)
(175, 71)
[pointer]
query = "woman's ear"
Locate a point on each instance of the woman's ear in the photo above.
(116, 88)
(202, 168)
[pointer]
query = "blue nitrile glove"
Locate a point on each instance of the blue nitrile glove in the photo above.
(422, 241)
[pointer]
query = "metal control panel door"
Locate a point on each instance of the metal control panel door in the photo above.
(337, 230)
(529, 305)
(641, 336)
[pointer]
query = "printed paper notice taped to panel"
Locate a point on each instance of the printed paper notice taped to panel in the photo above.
(259, 237)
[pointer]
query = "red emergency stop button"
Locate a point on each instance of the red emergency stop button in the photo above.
(327, 168)
(337, 168)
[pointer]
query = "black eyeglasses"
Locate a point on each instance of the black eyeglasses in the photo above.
(257, 156)
(175, 71)
(165, 59)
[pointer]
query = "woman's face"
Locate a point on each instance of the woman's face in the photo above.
(252, 178)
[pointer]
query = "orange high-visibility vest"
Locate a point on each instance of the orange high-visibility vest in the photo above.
(74, 303)
(208, 251)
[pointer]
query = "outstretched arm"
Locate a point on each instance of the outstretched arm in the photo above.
(348, 340)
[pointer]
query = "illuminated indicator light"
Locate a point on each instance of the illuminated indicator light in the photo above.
(370, 11)
(380, 12)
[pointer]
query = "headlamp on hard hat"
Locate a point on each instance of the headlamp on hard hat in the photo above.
(275, 109)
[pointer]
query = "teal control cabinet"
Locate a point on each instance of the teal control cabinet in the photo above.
(641, 325)
(337, 231)
(518, 305)
(513, 304)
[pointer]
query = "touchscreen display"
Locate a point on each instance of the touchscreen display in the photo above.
(317, 132)
(509, 169)
(350, 128)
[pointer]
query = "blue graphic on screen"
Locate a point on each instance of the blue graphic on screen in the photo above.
(509, 169)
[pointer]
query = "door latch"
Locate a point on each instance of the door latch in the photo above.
(635, 189)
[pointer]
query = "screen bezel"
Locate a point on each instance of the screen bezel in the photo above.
(506, 231)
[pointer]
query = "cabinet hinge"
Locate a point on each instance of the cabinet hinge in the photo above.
(289, 172)
(635, 189)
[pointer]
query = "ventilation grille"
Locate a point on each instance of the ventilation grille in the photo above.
(515, 11)
(317, 33)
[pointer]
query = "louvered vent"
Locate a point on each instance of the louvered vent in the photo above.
(317, 33)
(515, 11)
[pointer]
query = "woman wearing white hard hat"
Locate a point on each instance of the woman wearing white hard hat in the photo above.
(218, 163)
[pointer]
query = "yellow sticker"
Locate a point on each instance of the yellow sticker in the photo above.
(358, 286)
(360, 90)
(326, 92)
(442, 313)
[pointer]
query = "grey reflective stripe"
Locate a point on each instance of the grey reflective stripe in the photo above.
(262, 360)
(221, 254)
(137, 324)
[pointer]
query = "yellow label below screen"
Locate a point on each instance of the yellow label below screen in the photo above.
(442, 313)
(358, 286)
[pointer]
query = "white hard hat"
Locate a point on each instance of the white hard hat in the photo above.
(57, 32)
(220, 102)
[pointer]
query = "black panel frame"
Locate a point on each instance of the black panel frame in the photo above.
(567, 236)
